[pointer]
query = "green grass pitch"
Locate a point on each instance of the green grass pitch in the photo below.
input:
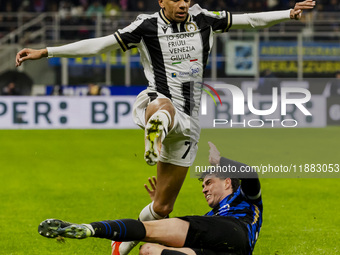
(91, 175)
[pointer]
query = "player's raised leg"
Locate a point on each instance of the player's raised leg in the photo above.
(171, 232)
(159, 119)
(161, 113)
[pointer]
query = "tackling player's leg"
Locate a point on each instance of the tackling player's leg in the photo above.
(171, 232)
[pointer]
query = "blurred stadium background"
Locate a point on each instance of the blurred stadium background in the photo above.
(305, 52)
(67, 155)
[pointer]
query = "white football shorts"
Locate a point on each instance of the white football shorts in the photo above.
(180, 145)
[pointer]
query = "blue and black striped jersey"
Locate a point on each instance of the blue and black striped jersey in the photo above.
(245, 204)
(248, 211)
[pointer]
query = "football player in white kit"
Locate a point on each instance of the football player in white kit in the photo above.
(174, 45)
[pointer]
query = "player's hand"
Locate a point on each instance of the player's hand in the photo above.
(29, 54)
(214, 155)
(296, 13)
(152, 191)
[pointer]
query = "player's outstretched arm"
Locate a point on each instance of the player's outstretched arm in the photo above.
(296, 13)
(214, 154)
(250, 183)
(83, 48)
(29, 54)
(267, 19)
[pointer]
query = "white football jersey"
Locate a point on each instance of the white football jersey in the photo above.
(174, 55)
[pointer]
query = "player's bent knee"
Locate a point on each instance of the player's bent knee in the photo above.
(161, 104)
(144, 250)
(148, 249)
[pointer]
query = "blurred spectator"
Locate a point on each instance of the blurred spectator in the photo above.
(221, 5)
(84, 31)
(72, 15)
(84, 4)
(52, 6)
(335, 85)
(141, 6)
(207, 4)
(56, 91)
(95, 8)
(2, 6)
(124, 4)
(9, 20)
(259, 6)
(267, 82)
(192, 2)
(9, 6)
(284, 4)
(133, 5)
(137, 5)
(39, 5)
(66, 23)
(112, 8)
(272, 4)
(10, 90)
(332, 6)
(94, 90)
(65, 8)
(24, 6)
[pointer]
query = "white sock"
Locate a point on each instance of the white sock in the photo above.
(146, 214)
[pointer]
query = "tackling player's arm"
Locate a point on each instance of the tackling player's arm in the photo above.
(267, 19)
(151, 191)
(83, 48)
(250, 184)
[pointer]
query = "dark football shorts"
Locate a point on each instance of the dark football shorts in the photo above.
(216, 235)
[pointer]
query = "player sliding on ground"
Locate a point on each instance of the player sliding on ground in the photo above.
(231, 227)
(174, 45)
